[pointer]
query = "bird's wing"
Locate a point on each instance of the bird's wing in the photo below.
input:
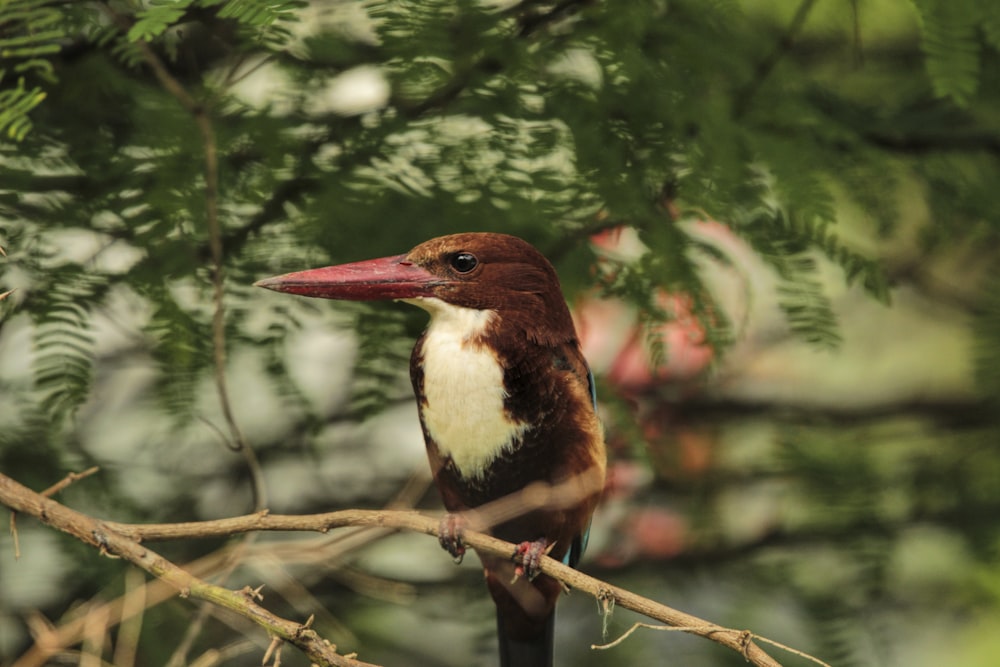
(579, 544)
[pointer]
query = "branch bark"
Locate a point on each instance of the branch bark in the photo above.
(124, 540)
(110, 542)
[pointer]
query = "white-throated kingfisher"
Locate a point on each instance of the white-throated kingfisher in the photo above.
(506, 400)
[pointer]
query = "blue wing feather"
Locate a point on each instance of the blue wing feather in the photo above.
(579, 545)
(593, 388)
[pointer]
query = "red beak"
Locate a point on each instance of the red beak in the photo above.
(370, 280)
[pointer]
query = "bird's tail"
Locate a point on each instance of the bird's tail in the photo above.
(520, 650)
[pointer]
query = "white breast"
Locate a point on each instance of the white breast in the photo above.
(463, 387)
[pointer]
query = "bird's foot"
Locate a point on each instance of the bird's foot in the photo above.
(450, 536)
(527, 558)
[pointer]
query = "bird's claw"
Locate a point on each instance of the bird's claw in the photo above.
(527, 558)
(450, 536)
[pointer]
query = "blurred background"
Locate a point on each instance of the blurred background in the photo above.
(775, 221)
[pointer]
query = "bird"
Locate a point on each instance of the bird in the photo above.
(506, 403)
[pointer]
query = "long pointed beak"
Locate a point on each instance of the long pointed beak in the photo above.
(369, 280)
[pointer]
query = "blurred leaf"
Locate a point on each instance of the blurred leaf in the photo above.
(950, 43)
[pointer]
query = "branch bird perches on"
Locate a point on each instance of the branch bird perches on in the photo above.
(125, 541)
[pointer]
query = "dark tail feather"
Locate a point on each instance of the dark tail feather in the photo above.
(533, 651)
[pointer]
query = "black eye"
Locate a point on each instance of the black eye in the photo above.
(464, 262)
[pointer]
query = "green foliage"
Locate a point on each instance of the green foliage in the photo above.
(790, 242)
(383, 350)
(181, 343)
(551, 120)
(64, 341)
(949, 33)
(30, 32)
(16, 103)
(801, 296)
(544, 121)
(262, 20)
(881, 494)
(156, 18)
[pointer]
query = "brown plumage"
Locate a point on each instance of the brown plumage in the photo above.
(547, 386)
(505, 401)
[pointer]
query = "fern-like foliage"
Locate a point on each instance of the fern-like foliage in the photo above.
(524, 119)
(262, 20)
(816, 234)
(951, 44)
(384, 349)
(537, 127)
(550, 120)
(182, 347)
(154, 20)
(64, 340)
(800, 294)
(15, 105)
(30, 34)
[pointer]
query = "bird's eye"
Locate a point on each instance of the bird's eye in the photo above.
(464, 262)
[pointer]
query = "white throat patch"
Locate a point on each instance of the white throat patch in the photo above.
(463, 387)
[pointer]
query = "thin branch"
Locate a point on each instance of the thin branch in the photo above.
(203, 121)
(67, 480)
(766, 66)
(50, 639)
(200, 113)
(532, 22)
(133, 609)
(628, 633)
(223, 656)
(667, 628)
(321, 556)
(95, 636)
(233, 557)
(99, 535)
(124, 540)
(48, 493)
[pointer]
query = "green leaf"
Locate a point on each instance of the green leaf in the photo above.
(30, 33)
(156, 19)
(950, 41)
(64, 339)
(15, 105)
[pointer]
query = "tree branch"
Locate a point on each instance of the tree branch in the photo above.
(744, 97)
(530, 22)
(112, 543)
(123, 540)
(201, 115)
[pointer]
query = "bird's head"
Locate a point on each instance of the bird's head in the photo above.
(480, 271)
